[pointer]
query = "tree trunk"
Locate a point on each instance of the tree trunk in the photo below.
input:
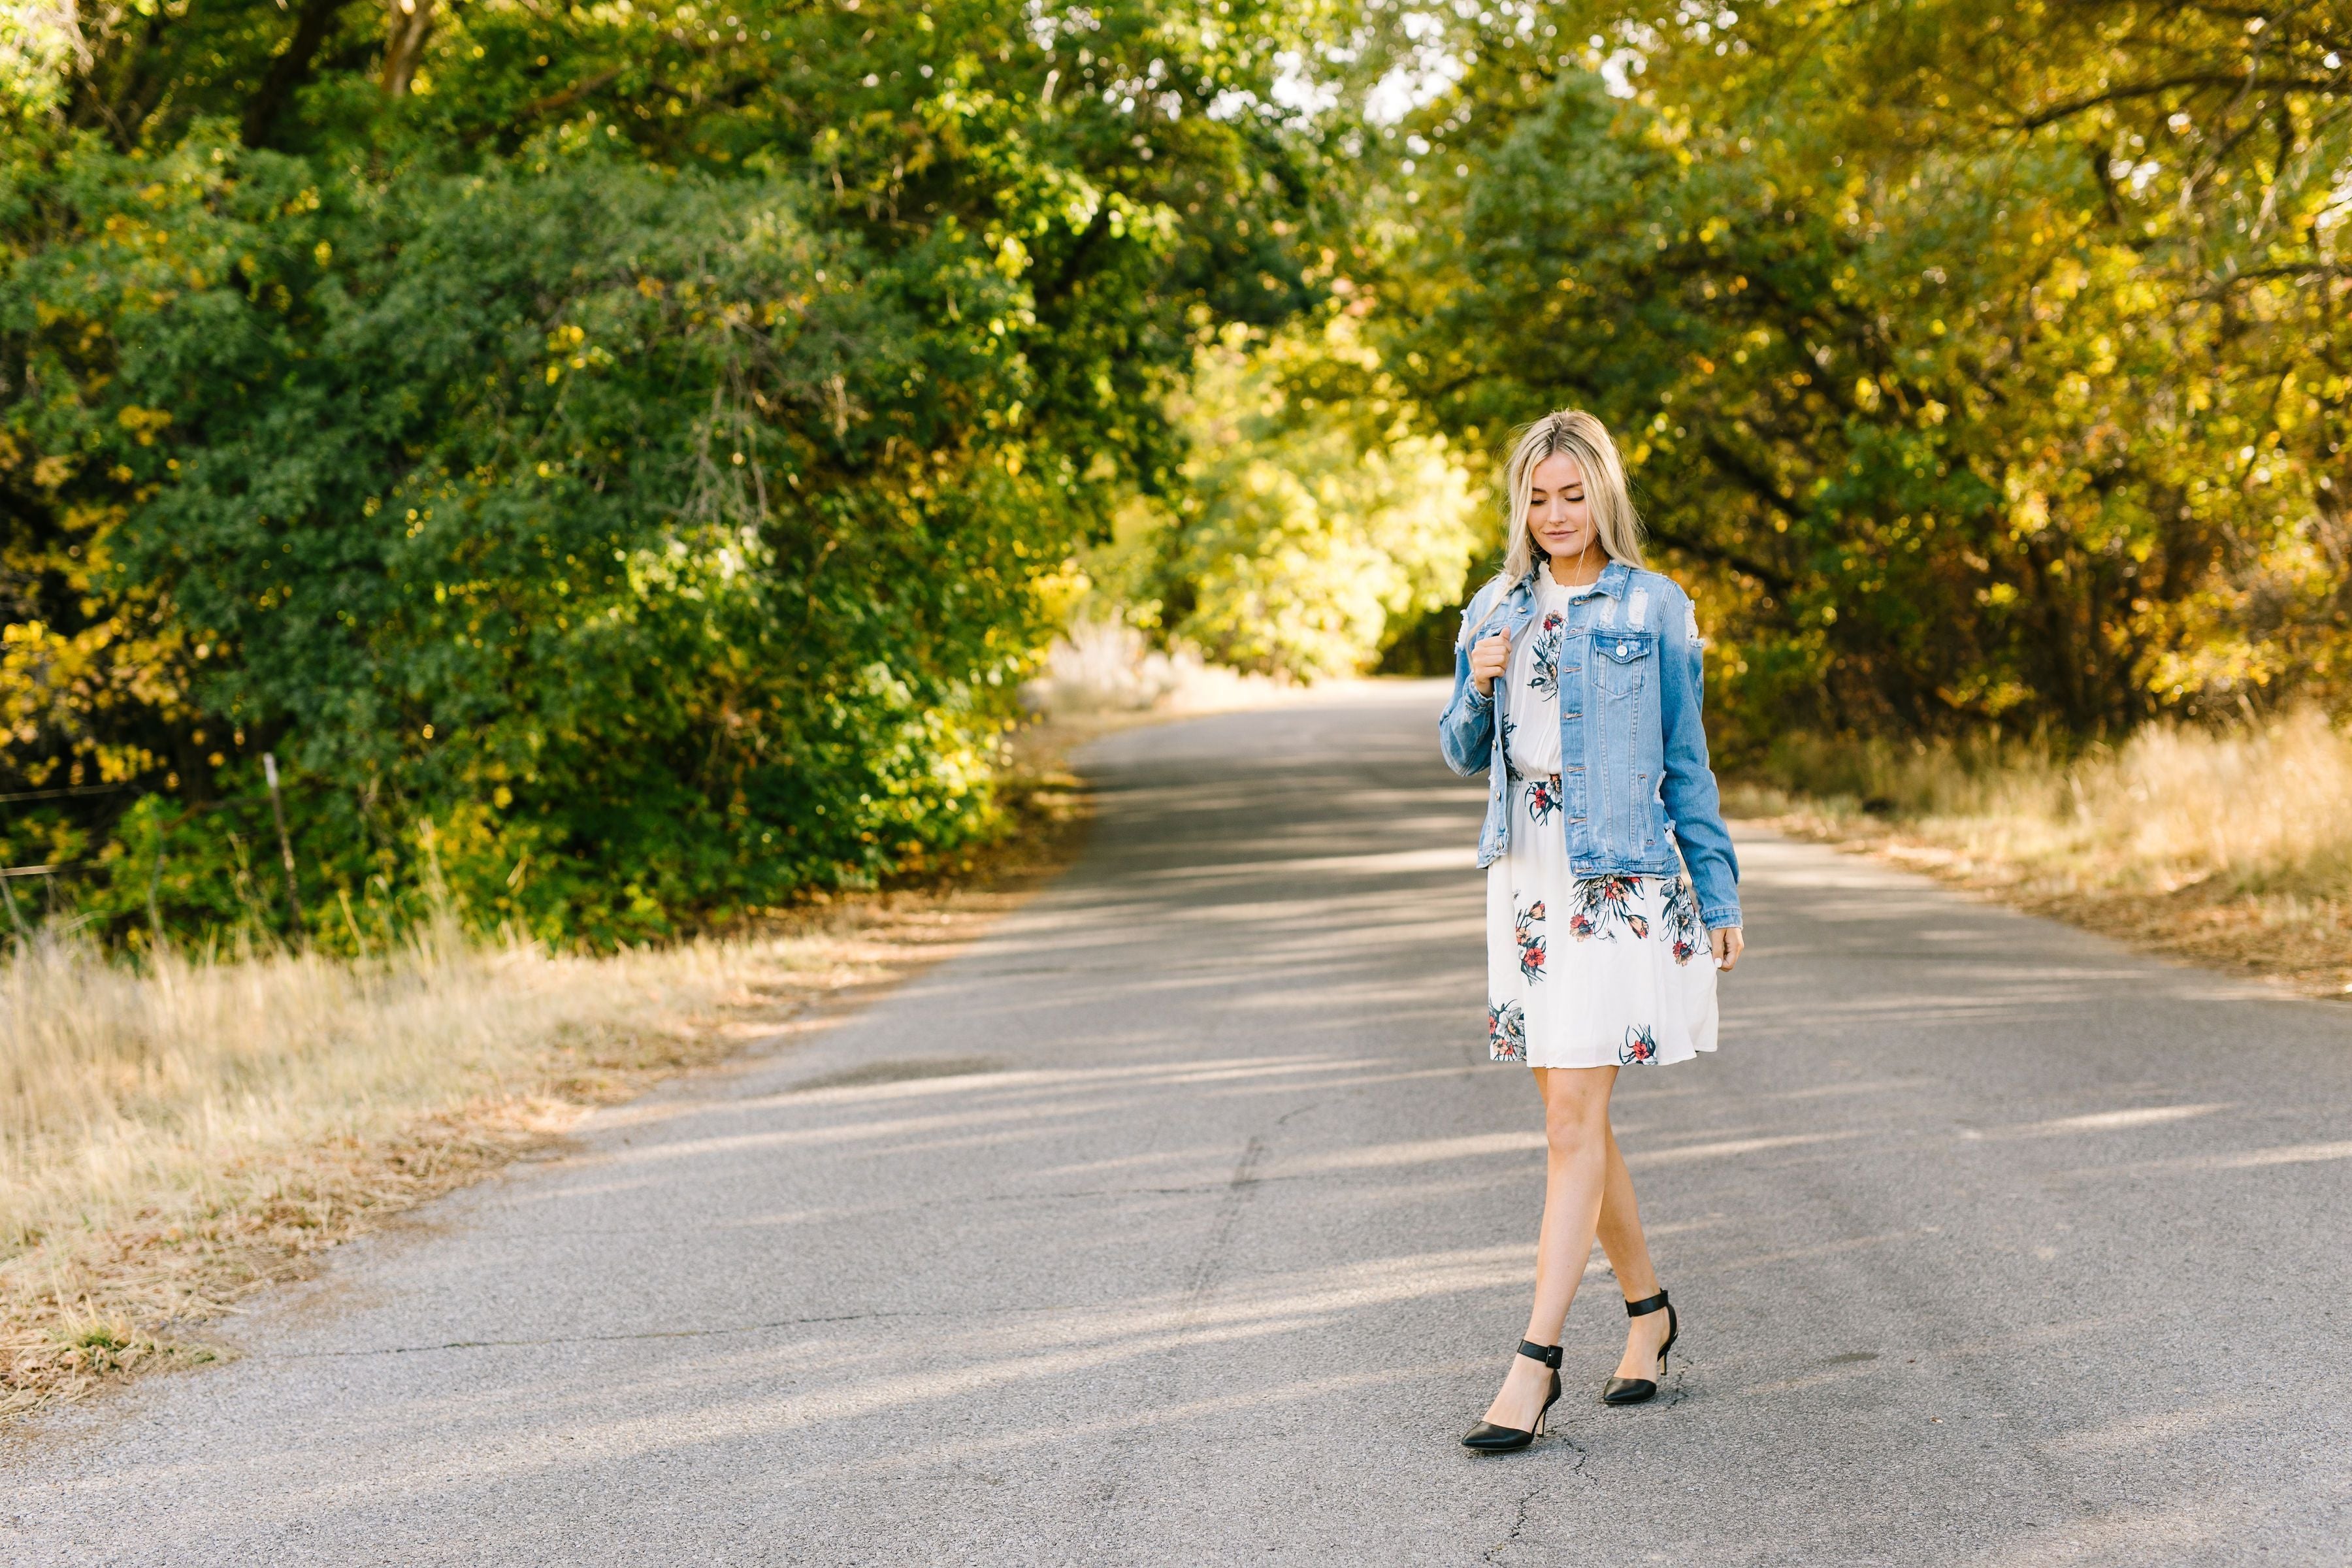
(407, 24)
(289, 71)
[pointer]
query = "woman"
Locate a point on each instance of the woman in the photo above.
(1576, 688)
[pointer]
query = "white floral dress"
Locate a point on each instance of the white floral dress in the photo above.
(1593, 971)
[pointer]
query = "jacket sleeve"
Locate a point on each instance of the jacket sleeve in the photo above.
(1465, 730)
(1691, 800)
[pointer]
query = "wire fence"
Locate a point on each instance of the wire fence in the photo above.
(248, 811)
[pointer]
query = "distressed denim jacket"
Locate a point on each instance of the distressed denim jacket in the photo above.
(1638, 796)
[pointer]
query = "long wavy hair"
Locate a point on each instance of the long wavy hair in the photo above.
(1573, 433)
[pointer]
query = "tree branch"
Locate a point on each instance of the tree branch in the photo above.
(1779, 583)
(289, 71)
(1751, 477)
(2302, 272)
(2152, 88)
(407, 22)
(570, 95)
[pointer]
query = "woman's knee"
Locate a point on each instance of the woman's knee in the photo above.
(1567, 1137)
(1576, 1113)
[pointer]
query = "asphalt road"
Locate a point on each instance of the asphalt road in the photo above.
(1184, 1221)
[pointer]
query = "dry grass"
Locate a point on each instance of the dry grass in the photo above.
(2232, 848)
(173, 1139)
(1102, 668)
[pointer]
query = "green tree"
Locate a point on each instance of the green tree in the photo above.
(1979, 363)
(1306, 531)
(609, 457)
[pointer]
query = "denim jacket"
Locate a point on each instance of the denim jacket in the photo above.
(1637, 794)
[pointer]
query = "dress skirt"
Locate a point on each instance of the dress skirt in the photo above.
(1597, 971)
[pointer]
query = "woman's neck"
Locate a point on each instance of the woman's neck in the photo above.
(1580, 570)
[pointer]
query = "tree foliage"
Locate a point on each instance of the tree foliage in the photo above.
(608, 455)
(1987, 363)
(1309, 524)
(620, 459)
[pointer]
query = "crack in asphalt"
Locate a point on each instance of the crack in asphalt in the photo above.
(1526, 1502)
(1518, 1523)
(1675, 1389)
(1238, 1186)
(1544, 1483)
(1674, 1396)
(1199, 1284)
(1105, 1193)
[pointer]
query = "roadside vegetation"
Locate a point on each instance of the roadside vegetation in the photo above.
(180, 1131)
(2232, 848)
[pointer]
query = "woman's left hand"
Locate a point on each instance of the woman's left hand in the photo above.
(1727, 943)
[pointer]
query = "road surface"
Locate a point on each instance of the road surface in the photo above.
(1183, 1221)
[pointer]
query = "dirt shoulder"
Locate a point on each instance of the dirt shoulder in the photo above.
(2302, 943)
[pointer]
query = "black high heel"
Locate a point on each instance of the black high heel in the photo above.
(1633, 1390)
(1488, 1438)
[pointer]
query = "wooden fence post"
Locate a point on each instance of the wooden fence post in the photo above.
(285, 843)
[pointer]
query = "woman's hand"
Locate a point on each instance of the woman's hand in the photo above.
(1489, 656)
(1727, 943)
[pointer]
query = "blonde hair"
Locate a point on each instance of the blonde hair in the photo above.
(1572, 432)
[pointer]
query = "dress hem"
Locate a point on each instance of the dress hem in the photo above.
(1690, 1055)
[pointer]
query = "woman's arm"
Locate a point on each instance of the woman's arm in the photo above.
(1465, 730)
(1690, 790)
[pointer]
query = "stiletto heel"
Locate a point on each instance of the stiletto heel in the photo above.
(1633, 1390)
(1488, 1438)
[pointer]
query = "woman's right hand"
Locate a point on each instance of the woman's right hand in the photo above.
(1489, 656)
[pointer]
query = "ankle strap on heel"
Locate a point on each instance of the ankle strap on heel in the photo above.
(1548, 1354)
(1647, 1305)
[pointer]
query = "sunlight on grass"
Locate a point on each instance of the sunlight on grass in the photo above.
(173, 1134)
(146, 1091)
(2235, 844)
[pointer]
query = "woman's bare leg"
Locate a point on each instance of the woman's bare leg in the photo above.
(1629, 1259)
(1576, 1163)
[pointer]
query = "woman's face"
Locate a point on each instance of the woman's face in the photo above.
(1559, 518)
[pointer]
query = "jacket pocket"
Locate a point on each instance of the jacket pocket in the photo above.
(1622, 662)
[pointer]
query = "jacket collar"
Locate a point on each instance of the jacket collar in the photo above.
(1612, 580)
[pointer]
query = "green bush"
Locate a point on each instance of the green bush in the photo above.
(1304, 535)
(609, 459)
(607, 530)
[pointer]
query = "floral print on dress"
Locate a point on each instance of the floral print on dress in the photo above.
(1531, 941)
(1635, 990)
(1603, 904)
(1681, 917)
(1507, 1032)
(1546, 675)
